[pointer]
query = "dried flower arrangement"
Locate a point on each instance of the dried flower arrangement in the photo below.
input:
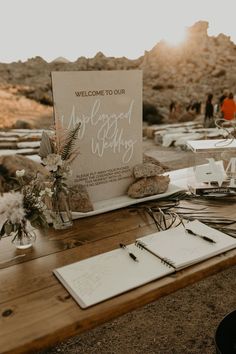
(57, 153)
(25, 207)
(22, 207)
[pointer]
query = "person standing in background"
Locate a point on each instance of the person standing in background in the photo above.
(228, 107)
(221, 100)
(209, 111)
(223, 97)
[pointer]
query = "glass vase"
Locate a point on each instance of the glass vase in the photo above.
(60, 214)
(23, 237)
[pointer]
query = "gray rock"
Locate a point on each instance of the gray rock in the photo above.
(150, 159)
(147, 170)
(148, 186)
(79, 199)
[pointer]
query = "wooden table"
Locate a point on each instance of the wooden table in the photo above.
(36, 311)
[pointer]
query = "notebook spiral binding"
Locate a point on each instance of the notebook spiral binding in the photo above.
(168, 262)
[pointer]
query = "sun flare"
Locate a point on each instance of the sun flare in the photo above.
(175, 36)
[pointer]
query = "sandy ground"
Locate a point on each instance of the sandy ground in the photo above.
(181, 323)
(14, 107)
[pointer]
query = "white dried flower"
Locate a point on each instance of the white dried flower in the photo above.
(17, 216)
(67, 171)
(20, 173)
(52, 162)
(42, 193)
(47, 192)
(11, 205)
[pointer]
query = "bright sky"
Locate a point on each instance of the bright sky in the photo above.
(74, 28)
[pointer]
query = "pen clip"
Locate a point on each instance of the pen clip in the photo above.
(134, 258)
(191, 232)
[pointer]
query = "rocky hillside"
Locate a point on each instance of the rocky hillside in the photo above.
(33, 76)
(200, 65)
(18, 111)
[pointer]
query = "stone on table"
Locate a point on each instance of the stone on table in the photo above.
(148, 186)
(147, 170)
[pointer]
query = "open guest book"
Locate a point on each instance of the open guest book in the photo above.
(151, 257)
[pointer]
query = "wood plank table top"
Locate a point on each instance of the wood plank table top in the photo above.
(35, 309)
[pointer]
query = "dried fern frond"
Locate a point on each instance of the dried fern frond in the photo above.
(69, 143)
(73, 155)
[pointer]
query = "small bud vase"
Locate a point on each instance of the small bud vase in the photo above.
(23, 237)
(61, 215)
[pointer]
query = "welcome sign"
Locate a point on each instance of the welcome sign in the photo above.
(108, 105)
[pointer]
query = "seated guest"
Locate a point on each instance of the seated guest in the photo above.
(229, 107)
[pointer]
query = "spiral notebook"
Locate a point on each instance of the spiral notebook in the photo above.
(104, 276)
(182, 249)
(99, 278)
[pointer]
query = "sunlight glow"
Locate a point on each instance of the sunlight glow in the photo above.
(175, 36)
(115, 28)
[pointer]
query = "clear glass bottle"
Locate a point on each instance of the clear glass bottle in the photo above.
(61, 214)
(23, 237)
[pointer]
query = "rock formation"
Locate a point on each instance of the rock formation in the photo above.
(200, 65)
(189, 71)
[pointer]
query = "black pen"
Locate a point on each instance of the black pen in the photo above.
(122, 245)
(191, 232)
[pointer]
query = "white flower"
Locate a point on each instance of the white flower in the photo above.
(69, 171)
(52, 162)
(20, 173)
(66, 171)
(47, 191)
(11, 205)
(17, 215)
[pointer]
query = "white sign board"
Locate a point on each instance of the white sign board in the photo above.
(108, 104)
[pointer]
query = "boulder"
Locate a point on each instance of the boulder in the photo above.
(149, 186)
(10, 164)
(151, 115)
(187, 116)
(22, 124)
